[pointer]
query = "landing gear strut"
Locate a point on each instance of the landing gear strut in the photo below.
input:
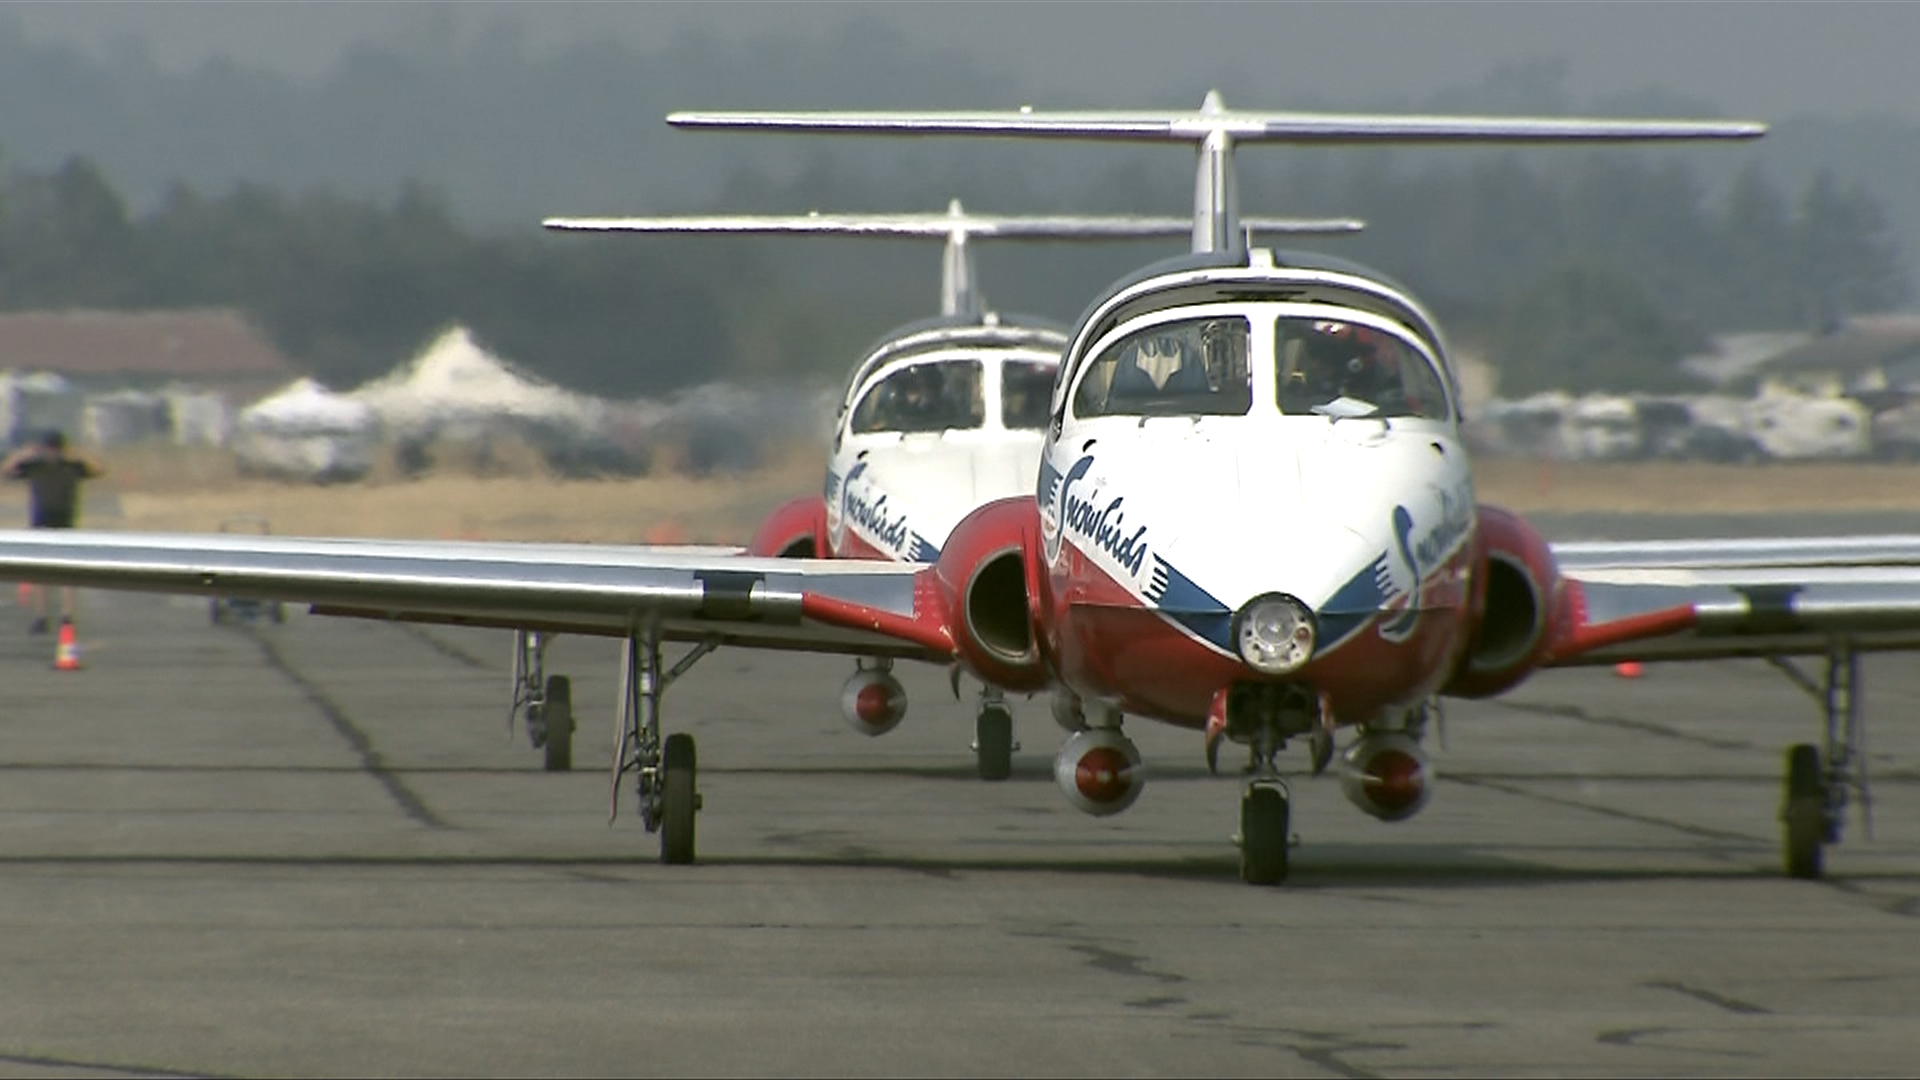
(1264, 810)
(668, 791)
(993, 743)
(545, 700)
(1819, 785)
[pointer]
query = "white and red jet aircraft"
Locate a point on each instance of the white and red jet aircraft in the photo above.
(942, 416)
(1254, 518)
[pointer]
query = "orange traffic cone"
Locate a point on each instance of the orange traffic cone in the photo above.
(66, 655)
(1629, 669)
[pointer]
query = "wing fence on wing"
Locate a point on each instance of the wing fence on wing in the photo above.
(690, 593)
(1699, 599)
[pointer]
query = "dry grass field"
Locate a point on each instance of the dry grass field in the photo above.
(198, 491)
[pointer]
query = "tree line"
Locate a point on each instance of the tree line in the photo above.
(1596, 271)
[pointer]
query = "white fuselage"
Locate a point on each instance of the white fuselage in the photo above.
(1167, 513)
(927, 434)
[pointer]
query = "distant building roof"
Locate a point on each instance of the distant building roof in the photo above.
(1738, 356)
(1858, 346)
(197, 345)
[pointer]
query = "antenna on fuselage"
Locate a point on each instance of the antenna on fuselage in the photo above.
(959, 289)
(1216, 130)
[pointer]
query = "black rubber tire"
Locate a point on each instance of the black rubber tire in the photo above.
(679, 799)
(559, 716)
(1263, 837)
(1804, 817)
(993, 742)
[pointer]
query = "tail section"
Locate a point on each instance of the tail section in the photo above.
(1215, 130)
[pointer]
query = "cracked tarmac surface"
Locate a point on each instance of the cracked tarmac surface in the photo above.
(313, 849)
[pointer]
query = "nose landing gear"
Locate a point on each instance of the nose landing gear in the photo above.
(1265, 810)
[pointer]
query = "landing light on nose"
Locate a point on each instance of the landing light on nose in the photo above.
(1275, 634)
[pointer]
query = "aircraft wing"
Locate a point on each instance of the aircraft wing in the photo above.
(1702, 599)
(693, 593)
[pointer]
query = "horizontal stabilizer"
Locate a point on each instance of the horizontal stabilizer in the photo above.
(941, 226)
(1214, 130)
(1240, 126)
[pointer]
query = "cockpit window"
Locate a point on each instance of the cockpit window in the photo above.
(1026, 389)
(941, 395)
(1195, 367)
(1323, 361)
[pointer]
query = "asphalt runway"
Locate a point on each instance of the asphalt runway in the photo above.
(314, 849)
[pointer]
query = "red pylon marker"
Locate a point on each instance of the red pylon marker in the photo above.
(66, 655)
(25, 594)
(1629, 669)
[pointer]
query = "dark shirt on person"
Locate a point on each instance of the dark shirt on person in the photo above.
(54, 488)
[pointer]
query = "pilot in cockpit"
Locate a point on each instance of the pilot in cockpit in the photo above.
(917, 403)
(1336, 361)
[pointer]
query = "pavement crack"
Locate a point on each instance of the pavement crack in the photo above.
(1102, 958)
(442, 646)
(1644, 727)
(42, 1061)
(371, 760)
(1326, 1050)
(1902, 906)
(1717, 1000)
(1630, 1036)
(1699, 831)
(1115, 962)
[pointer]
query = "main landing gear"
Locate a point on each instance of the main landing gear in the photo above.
(1819, 785)
(667, 770)
(546, 701)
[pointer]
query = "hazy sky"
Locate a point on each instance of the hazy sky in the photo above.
(1766, 60)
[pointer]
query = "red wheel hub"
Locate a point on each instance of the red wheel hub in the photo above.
(1394, 780)
(1103, 775)
(874, 704)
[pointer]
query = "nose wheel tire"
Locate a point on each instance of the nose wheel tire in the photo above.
(557, 716)
(1263, 836)
(679, 800)
(1804, 817)
(993, 742)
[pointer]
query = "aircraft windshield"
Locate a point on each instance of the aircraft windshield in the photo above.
(1322, 361)
(1195, 367)
(1025, 392)
(940, 395)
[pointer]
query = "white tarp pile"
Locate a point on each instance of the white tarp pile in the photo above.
(1801, 427)
(306, 432)
(199, 417)
(126, 416)
(1776, 424)
(31, 405)
(456, 383)
(458, 391)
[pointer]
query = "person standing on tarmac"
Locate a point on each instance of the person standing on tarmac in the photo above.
(54, 477)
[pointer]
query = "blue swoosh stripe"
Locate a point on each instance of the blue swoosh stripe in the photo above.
(1179, 598)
